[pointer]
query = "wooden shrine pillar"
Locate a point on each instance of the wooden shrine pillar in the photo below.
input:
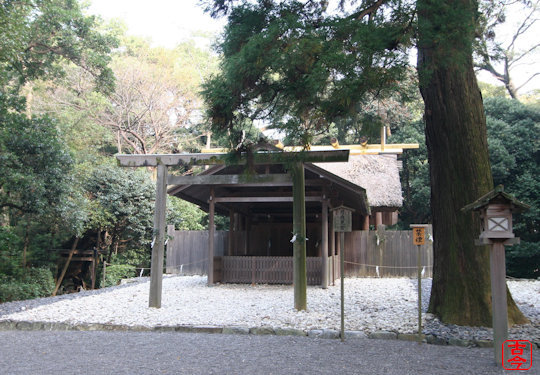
(378, 219)
(231, 232)
(156, 268)
(246, 234)
(299, 237)
(365, 224)
(211, 237)
(324, 252)
(333, 248)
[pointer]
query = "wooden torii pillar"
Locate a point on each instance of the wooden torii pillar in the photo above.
(293, 159)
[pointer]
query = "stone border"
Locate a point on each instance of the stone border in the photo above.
(11, 325)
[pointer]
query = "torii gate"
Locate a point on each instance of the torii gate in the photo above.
(294, 159)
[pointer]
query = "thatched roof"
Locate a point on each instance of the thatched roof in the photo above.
(378, 174)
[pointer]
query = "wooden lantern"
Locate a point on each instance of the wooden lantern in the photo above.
(496, 209)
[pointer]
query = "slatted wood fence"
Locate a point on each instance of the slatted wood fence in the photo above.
(385, 254)
(267, 270)
(187, 251)
(368, 254)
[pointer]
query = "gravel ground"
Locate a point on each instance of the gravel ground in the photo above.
(372, 305)
(120, 353)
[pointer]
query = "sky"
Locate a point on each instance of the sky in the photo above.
(165, 22)
(169, 22)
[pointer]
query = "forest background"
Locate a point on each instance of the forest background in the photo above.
(76, 90)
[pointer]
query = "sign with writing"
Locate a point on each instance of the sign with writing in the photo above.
(419, 235)
(342, 219)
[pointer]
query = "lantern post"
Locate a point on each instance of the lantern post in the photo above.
(496, 209)
(342, 223)
(419, 239)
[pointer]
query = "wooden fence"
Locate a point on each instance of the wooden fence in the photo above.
(267, 270)
(368, 254)
(187, 251)
(386, 254)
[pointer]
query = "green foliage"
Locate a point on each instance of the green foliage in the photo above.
(292, 65)
(514, 156)
(121, 206)
(414, 176)
(10, 259)
(116, 272)
(34, 283)
(513, 130)
(75, 106)
(184, 215)
(491, 91)
(34, 163)
(523, 260)
(58, 58)
(39, 35)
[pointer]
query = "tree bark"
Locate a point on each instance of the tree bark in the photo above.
(460, 171)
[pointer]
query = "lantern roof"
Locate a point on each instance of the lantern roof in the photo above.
(497, 195)
(342, 207)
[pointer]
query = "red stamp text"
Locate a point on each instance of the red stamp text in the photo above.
(517, 355)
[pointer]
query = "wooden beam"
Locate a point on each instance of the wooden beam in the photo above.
(263, 199)
(333, 248)
(324, 245)
(231, 233)
(82, 259)
(94, 265)
(64, 270)
(282, 179)
(211, 231)
(299, 231)
(498, 300)
(374, 149)
(156, 268)
(275, 157)
(169, 159)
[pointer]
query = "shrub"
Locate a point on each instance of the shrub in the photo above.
(34, 283)
(523, 261)
(116, 272)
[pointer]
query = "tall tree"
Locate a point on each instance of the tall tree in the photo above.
(38, 35)
(514, 158)
(38, 38)
(460, 171)
(292, 61)
(155, 105)
(329, 68)
(501, 56)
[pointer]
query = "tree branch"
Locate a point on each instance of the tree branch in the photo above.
(367, 11)
(528, 80)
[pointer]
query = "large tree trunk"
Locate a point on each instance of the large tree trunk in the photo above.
(456, 138)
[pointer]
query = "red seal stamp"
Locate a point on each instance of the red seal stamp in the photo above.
(517, 355)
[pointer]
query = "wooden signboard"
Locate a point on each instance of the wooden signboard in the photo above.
(342, 219)
(419, 235)
(419, 238)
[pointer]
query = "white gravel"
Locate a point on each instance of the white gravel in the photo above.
(371, 305)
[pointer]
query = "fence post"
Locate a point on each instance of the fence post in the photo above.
(381, 243)
(156, 273)
(104, 271)
(211, 239)
(324, 244)
(169, 265)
